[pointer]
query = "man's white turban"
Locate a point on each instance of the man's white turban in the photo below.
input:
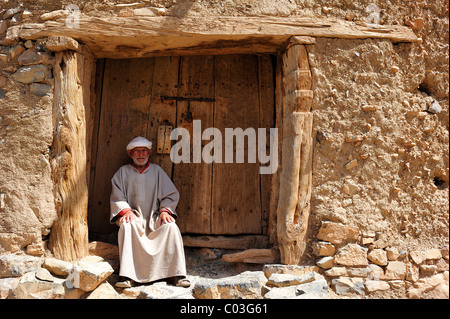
(139, 142)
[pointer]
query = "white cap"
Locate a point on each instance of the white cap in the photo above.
(139, 142)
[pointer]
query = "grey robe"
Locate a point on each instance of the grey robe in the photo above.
(148, 251)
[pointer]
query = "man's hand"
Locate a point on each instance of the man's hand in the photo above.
(166, 218)
(128, 217)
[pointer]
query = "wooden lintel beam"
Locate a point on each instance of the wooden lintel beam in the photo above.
(147, 36)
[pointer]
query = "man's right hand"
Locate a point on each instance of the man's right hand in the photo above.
(128, 217)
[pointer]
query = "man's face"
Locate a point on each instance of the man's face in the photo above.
(140, 155)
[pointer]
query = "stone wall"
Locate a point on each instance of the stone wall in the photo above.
(364, 264)
(381, 142)
(26, 134)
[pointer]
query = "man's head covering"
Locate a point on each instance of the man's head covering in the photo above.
(139, 142)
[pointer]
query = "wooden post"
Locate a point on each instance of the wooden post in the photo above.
(296, 162)
(275, 186)
(69, 234)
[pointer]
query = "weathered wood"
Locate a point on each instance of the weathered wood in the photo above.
(120, 37)
(165, 83)
(297, 80)
(275, 186)
(298, 101)
(254, 256)
(266, 120)
(69, 235)
(131, 104)
(293, 204)
(299, 39)
(295, 179)
(294, 59)
(236, 206)
(302, 211)
(229, 242)
(95, 119)
(163, 139)
(193, 180)
(124, 112)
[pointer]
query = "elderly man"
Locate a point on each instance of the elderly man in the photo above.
(143, 202)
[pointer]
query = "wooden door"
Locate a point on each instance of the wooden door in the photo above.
(236, 209)
(124, 111)
(193, 180)
(229, 91)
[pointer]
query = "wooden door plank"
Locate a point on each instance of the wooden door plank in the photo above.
(193, 180)
(266, 120)
(236, 206)
(275, 187)
(165, 83)
(98, 86)
(124, 114)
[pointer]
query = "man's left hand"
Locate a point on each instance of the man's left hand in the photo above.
(166, 218)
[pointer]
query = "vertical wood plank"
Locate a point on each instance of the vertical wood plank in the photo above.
(124, 114)
(165, 83)
(98, 86)
(236, 206)
(266, 120)
(275, 186)
(193, 180)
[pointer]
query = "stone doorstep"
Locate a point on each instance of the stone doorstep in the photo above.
(49, 278)
(284, 282)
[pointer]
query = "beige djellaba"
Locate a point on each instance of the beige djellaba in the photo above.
(148, 251)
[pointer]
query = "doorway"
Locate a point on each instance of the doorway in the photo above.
(139, 97)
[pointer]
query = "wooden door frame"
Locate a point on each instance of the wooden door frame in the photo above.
(130, 37)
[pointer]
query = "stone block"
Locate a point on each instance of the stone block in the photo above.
(18, 265)
(247, 285)
(270, 269)
(285, 280)
(395, 270)
(323, 248)
(31, 287)
(419, 256)
(162, 291)
(325, 262)
(376, 285)
(337, 233)
(31, 73)
(7, 285)
(378, 256)
(33, 56)
(87, 276)
(436, 287)
(104, 291)
(40, 89)
(57, 267)
(317, 289)
(352, 255)
(392, 253)
(336, 272)
(346, 285)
